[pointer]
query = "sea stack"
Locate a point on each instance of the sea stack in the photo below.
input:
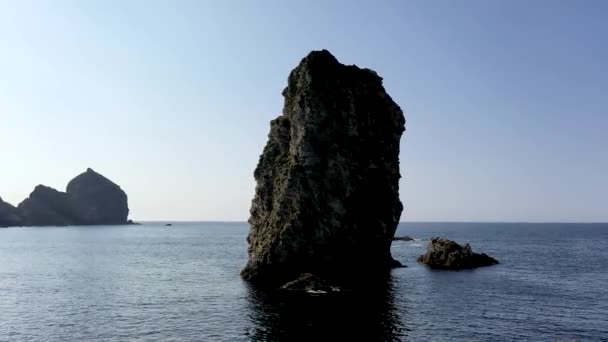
(446, 254)
(90, 199)
(97, 199)
(327, 195)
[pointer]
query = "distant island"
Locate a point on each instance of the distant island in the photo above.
(89, 199)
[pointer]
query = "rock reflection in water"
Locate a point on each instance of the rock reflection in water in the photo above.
(365, 314)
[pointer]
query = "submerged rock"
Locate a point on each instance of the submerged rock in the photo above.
(397, 264)
(327, 195)
(9, 215)
(91, 199)
(446, 254)
(97, 200)
(403, 238)
(310, 283)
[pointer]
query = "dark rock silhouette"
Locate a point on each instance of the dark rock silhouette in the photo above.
(397, 264)
(327, 195)
(97, 200)
(403, 238)
(446, 254)
(91, 199)
(48, 207)
(9, 215)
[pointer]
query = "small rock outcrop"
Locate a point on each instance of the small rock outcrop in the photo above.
(9, 215)
(90, 199)
(327, 195)
(403, 238)
(448, 255)
(97, 200)
(310, 283)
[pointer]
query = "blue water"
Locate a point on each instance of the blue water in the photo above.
(181, 283)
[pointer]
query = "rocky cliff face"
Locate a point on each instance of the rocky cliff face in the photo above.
(97, 200)
(327, 195)
(9, 215)
(90, 199)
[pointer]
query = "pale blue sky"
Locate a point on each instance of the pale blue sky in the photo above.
(506, 101)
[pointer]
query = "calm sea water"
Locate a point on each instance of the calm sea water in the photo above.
(181, 283)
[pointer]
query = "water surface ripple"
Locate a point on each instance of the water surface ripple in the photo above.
(181, 283)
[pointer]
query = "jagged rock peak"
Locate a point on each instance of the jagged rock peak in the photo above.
(327, 198)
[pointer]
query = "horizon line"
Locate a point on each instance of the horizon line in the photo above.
(471, 222)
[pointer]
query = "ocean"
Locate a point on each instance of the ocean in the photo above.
(181, 283)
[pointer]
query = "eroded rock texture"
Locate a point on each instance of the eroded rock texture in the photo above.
(327, 195)
(446, 254)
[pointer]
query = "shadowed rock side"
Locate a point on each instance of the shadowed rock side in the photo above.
(48, 207)
(448, 255)
(97, 199)
(9, 215)
(91, 199)
(327, 195)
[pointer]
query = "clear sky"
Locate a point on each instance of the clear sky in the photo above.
(506, 101)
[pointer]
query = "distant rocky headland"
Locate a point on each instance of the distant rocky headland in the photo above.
(89, 199)
(326, 204)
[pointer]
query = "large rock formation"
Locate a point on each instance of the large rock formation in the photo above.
(48, 207)
(448, 255)
(97, 200)
(90, 199)
(327, 195)
(9, 215)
